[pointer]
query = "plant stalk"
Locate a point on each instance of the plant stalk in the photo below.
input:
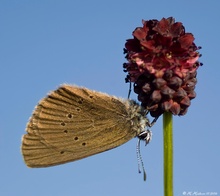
(168, 153)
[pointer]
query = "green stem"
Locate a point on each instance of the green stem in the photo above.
(168, 153)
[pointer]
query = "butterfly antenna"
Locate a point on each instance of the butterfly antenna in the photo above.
(129, 91)
(140, 161)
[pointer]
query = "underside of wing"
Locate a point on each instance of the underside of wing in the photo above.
(72, 123)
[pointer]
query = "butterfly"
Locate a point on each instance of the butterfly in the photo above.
(74, 122)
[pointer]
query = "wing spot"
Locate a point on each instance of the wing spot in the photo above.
(63, 123)
(65, 131)
(80, 101)
(69, 115)
(61, 152)
(83, 144)
(78, 109)
(91, 96)
(76, 138)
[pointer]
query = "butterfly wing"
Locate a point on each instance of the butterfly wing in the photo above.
(72, 123)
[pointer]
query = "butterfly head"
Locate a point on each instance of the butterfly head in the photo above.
(139, 121)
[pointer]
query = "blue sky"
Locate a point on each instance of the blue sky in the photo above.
(46, 43)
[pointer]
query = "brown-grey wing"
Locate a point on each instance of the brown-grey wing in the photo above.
(72, 123)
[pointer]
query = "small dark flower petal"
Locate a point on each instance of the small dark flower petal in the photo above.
(192, 95)
(146, 88)
(175, 82)
(156, 96)
(186, 40)
(168, 92)
(132, 45)
(159, 83)
(185, 101)
(168, 74)
(177, 29)
(190, 75)
(166, 105)
(137, 89)
(162, 27)
(142, 97)
(140, 33)
(190, 85)
(148, 44)
(175, 108)
(171, 20)
(180, 94)
(183, 111)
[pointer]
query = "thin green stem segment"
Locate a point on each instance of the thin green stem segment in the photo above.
(168, 153)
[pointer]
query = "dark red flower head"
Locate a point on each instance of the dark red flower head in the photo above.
(162, 63)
